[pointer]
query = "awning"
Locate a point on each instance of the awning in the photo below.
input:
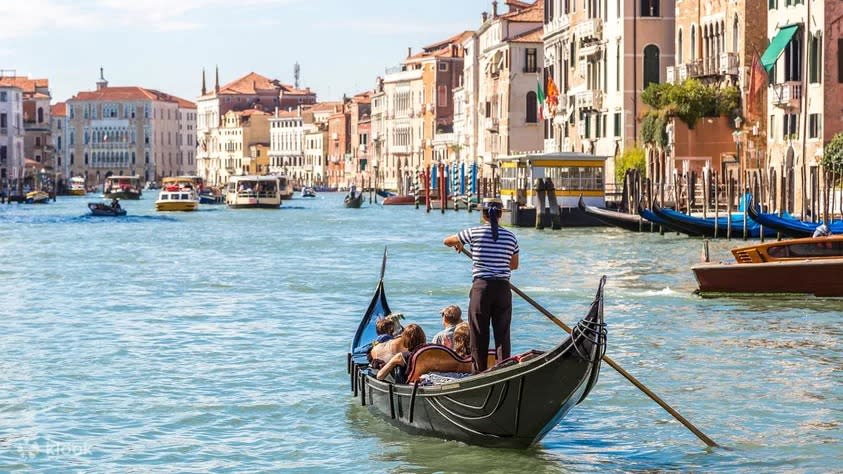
(777, 45)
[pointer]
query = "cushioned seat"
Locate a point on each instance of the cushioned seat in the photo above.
(436, 358)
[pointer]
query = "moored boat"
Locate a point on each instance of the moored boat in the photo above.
(720, 226)
(632, 222)
(809, 266)
(77, 186)
(788, 225)
(396, 200)
(512, 405)
(106, 210)
(122, 187)
(253, 191)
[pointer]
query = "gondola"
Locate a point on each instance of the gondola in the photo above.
(632, 222)
(353, 199)
(100, 209)
(650, 216)
(512, 405)
(707, 227)
(788, 225)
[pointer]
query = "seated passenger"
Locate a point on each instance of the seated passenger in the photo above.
(403, 347)
(385, 328)
(451, 316)
(462, 340)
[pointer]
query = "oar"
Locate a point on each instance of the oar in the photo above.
(705, 439)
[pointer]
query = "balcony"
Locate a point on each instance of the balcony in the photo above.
(560, 23)
(491, 124)
(729, 64)
(589, 30)
(787, 95)
(590, 100)
(671, 72)
(593, 48)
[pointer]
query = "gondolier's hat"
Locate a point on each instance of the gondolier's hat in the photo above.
(490, 203)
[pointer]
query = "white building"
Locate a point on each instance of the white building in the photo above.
(11, 136)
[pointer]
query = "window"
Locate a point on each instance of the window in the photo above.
(772, 4)
(3, 121)
(617, 124)
(793, 60)
(530, 60)
(3, 96)
(532, 108)
(37, 141)
(443, 66)
(790, 126)
(649, 8)
(814, 126)
(693, 42)
(651, 65)
(679, 46)
(442, 96)
(815, 58)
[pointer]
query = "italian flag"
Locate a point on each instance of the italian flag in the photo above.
(540, 98)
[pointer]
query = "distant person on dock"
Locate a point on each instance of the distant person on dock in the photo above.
(495, 254)
(451, 317)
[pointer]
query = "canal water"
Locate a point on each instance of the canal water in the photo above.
(216, 341)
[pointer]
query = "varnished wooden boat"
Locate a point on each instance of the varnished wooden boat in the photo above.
(396, 200)
(513, 405)
(809, 266)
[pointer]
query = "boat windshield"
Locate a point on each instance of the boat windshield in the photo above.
(831, 248)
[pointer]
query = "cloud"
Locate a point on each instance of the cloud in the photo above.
(388, 27)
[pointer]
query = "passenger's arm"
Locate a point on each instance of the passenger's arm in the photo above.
(397, 359)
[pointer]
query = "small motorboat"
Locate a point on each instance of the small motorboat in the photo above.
(809, 266)
(36, 197)
(107, 210)
(308, 192)
(396, 200)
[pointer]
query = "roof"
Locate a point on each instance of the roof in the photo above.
(252, 83)
(443, 48)
(515, 4)
(27, 85)
(532, 36)
(325, 107)
(58, 109)
(533, 13)
(118, 94)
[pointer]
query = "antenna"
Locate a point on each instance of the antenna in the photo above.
(297, 73)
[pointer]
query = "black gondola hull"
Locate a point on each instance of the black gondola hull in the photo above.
(632, 222)
(512, 406)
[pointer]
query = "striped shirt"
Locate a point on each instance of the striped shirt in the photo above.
(491, 258)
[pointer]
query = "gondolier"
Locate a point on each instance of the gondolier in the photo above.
(495, 254)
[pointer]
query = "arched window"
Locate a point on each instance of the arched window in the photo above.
(532, 107)
(651, 65)
(679, 47)
(40, 115)
(693, 42)
(735, 31)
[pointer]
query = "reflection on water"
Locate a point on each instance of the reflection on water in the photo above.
(216, 341)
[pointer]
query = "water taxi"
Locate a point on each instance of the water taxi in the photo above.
(285, 188)
(178, 194)
(252, 191)
(122, 187)
(544, 189)
(77, 186)
(37, 197)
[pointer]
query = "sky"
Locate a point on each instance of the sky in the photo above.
(341, 45)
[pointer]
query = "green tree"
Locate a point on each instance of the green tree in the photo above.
(631, 158)
(833, 154)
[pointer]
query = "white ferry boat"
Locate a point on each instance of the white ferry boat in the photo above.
(253, 192)
(77, 186)
(178, 194)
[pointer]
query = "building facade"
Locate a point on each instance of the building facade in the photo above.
(127, 131)
(11, 138)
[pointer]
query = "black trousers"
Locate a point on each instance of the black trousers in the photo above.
(490, 301)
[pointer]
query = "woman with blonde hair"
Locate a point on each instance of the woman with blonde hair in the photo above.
(462, 340)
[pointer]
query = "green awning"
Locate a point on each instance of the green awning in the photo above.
(777, 45)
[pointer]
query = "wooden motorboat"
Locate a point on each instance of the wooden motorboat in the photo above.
(396, 200)
(37, 197)
(633, 222)
(514, 404)
(810, 266)
(789, 225)
(353, 199)
(106, 210)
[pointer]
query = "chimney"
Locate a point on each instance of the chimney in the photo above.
(485, 17)
(495, 9)
(409, 51)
